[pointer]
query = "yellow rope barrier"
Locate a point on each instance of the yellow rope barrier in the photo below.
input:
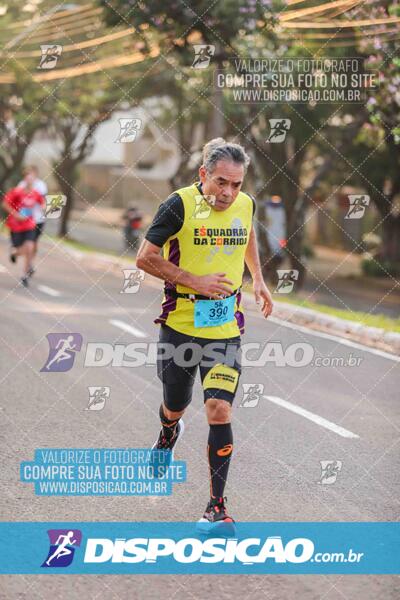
(70, 13)
(92, 67)
(338, 24)
(294, 14)
(74, 47)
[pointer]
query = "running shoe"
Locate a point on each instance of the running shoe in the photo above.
(24, 281)
(13, 255)
(168, 444)
(216, 520)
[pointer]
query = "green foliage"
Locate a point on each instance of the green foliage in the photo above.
(177, 20)
(373, 268)
(22, 113)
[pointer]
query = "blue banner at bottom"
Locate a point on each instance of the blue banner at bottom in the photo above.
(173, 548)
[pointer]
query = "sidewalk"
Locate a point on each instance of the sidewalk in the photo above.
(335, 278)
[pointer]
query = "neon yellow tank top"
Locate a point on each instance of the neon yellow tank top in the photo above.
(209, 241)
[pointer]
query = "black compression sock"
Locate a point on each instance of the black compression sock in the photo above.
(219, 455)
(167, 425)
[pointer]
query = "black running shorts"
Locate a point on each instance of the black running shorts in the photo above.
(179, 357)
(20, 237)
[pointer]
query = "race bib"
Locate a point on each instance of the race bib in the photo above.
(210, 313)
(25, 212)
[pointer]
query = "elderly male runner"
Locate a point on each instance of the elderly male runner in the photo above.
(206, 234)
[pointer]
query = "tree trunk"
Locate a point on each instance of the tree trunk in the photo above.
(67, 179)
(14, 168)
(296, 220)
(295, 215)
(217, 119)
(390, 252)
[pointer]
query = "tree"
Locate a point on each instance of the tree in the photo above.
(78, 108)
(376, 148)
(295, 167)
(180, 25)
(23, 102)
(19, 121)
(70, 106)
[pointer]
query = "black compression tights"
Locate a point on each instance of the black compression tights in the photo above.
(177, 396)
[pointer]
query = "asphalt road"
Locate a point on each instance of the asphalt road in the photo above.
(276, 464)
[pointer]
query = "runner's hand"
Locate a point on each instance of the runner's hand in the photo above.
(263, 297)
(212, 285)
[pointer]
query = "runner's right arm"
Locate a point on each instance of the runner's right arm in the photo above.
(9, 206)
(167, 222)
(150, 260)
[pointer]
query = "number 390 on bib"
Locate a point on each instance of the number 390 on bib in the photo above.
(210, 313)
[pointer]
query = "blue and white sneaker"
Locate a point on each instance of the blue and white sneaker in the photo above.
(216, 520)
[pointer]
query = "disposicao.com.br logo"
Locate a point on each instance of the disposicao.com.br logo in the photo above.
(177, 548)
(189, 550)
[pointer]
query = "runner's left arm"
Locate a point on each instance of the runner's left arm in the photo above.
(252, 257)
(261, 292)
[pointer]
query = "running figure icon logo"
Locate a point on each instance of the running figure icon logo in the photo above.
(287, 279)
(50, 55)
(203, 54)
(357, 205)
(97, 397)
(279, 129)
(62, 348)
(63, 543)
(251, 394)
(128, 129)
(329, 471)
(132, 280)
(203, 205)
(54, 205)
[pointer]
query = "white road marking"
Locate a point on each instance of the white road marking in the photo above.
(129, 328)
(335, 338)
(312, 417)
(49, 291)
(3, 269)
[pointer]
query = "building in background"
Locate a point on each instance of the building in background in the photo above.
(118, 174)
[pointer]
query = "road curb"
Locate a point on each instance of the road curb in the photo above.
(374, 337)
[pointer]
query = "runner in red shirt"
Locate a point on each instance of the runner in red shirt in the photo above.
(19, 203)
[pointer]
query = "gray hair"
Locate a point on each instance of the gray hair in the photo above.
(218, 149)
